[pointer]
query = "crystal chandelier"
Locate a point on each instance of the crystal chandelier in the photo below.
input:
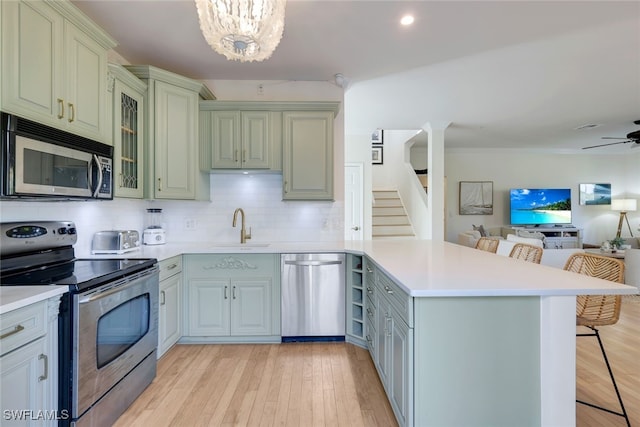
(244, 30)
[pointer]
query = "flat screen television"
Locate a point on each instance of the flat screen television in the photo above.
(540, 206)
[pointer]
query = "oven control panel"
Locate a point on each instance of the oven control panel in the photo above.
(19, 237)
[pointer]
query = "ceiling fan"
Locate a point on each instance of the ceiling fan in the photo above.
(633, 137)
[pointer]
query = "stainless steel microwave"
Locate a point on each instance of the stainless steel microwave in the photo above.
(43, 162)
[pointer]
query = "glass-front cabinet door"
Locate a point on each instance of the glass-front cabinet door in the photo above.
(128, 116)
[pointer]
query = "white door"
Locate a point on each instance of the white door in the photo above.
(353, 201)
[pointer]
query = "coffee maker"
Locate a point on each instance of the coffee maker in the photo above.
(153, 233)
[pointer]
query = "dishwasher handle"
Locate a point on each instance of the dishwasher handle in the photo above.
(313, 263)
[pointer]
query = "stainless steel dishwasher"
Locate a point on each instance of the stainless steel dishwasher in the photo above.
(313, 296)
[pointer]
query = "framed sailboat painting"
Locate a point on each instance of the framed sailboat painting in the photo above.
(476, 197)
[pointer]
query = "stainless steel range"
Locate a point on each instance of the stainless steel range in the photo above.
(108, 324)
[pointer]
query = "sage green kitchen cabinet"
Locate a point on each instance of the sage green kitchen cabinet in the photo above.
(232, 295)
(240, 140)
(307, 155)
(54, 67)
(29, 362)
(170, 300)
(171, 136)
(390, 341)
(127, 110)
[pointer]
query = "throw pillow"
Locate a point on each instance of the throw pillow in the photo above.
(481, 229)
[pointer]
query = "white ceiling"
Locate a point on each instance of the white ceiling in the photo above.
(505, 73)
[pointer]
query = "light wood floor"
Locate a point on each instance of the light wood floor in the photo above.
(622, 344)
(335, 384)
(294, 384)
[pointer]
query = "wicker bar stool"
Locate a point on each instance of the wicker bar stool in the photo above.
(526, 252)
(487, 244)
(593, 311)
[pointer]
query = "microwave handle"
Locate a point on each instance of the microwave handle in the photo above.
(95, 162)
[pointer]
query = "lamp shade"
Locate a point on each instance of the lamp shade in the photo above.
(624, 205)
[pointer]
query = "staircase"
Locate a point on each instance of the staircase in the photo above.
(390, 220)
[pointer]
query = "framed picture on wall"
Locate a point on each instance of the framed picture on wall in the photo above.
(595, 194)
(377, 137)
(476, 197)
(376, 155)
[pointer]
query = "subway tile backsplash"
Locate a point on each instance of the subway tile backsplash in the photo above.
(259, 195)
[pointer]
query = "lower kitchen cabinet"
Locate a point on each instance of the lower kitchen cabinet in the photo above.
(28, 365)
(232, 295)
(401, 369)
(170, 312)
(390, 340)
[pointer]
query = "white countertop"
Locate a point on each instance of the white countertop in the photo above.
(14, 297)
(423, 268)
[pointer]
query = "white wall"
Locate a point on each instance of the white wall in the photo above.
(515, 169)
(419, 157)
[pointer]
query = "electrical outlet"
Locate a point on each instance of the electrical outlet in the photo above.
(190, 224)
(260, 89)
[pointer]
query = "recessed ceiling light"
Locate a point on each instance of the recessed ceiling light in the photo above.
(407, 20)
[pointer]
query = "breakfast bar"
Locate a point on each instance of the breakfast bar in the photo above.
(461, 336)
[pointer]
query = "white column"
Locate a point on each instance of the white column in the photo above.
(558, 361)
(436, 178)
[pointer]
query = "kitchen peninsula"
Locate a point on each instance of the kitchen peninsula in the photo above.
(489, 340)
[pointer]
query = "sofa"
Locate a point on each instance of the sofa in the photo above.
(551, 257)
(471, 237)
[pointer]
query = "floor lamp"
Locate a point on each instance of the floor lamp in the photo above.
(624, 206)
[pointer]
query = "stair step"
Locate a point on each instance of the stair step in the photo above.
(387, 202)
(386, 210)
(394, 230)
(390, 220)
(385, 194)
(399, 237)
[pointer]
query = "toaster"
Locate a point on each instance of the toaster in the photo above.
(115, 242)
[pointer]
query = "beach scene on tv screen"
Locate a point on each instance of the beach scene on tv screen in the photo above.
(540, 206)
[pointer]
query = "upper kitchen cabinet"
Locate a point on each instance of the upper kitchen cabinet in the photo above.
(295, 138)
(128, 93)
(171, 135)
(54, 67)
(240, 135)
(307, 155)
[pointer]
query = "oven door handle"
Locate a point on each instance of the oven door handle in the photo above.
(116, 287)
